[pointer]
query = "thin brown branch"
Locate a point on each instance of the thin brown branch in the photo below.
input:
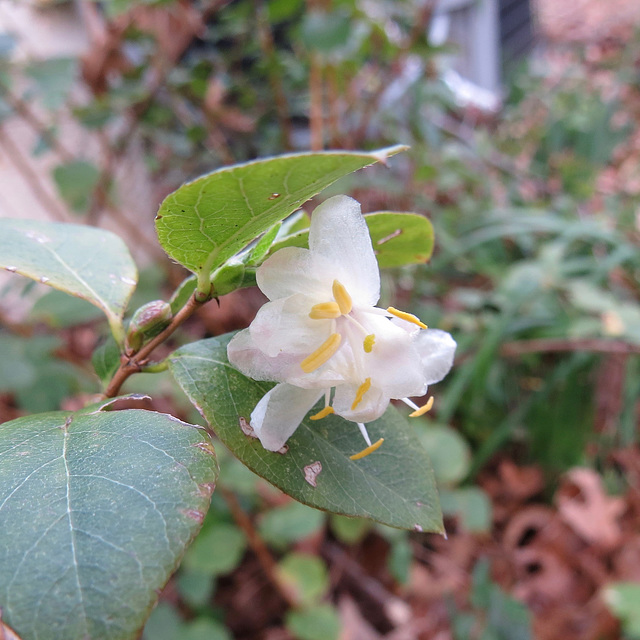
(315, 106)
(258, 546)
(592, 345)
(265, 37)
(394, 608)
(333, 102)
(31, 178)
(133, 364)
(37, 125)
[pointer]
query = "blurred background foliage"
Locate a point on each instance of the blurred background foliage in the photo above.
(536, 274)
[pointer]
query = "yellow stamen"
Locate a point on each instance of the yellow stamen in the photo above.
(327, 411)
(325, 310)
(423, 409)
(369, 341)
(322, 353)
(365, 452)
(409, 317)
(342, 297)
(362, 389)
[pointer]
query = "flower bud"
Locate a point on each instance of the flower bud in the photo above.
(148, 321)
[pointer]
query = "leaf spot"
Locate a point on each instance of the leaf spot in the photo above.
(206, 447)
(311, 472)
(194, 514)
(207, 488)
(391, 236)
(247, 429)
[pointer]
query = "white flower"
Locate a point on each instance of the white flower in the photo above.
(321, 332)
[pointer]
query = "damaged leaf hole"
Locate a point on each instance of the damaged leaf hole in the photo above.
(311, 472)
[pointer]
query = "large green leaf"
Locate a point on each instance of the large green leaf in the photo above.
(97, 509)
(394, 485)
(86, 262)
(205, 222)
(398, 238)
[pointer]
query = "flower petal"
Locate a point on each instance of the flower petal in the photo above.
(284, 326)
(245, 356)
(293, 270)
(339, 234)
(394, 363)
(437, 349)
(249, 360)
(373, 404)
(280, 412)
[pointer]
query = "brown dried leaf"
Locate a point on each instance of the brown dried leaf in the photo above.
(588, 510)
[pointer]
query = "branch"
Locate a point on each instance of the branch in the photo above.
(257, 544)
(594, 345)
(31, 177)
(135, 363)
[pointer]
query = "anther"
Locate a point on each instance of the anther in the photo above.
(325, 310)
(409, 317)
(362, 389)
(327, 411)
(342, 297)
(365, 452)
(322, 353)
(423, 409)
(369, 341)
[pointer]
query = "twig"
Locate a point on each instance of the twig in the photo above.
(333, 117)
(133, 364)
(315, 106)
(39, 127)
(395, 609)
(594, 345)
(265, 37)
(31, 177)
(266, 560)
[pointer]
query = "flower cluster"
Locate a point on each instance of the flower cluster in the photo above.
(322, 335)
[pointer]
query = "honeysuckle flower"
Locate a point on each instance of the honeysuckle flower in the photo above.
(322, 335)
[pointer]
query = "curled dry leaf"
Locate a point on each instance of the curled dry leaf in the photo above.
(588, 510)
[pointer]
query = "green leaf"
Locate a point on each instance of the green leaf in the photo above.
(97, 509)
(106, 360)
(76, 182)
(394, 486)
(86, 262)
(306, 576)
(349, 530)
(397, 238)
(217, 550)
(59, 311)
(290, 523)
(324, 32)
(622, 598)
(264, 244)
(203, 629)
(471, 505)
(206, 221)
(448, 451)
(321, 622)
(196, 587)
(400, 558)
(54, 79)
